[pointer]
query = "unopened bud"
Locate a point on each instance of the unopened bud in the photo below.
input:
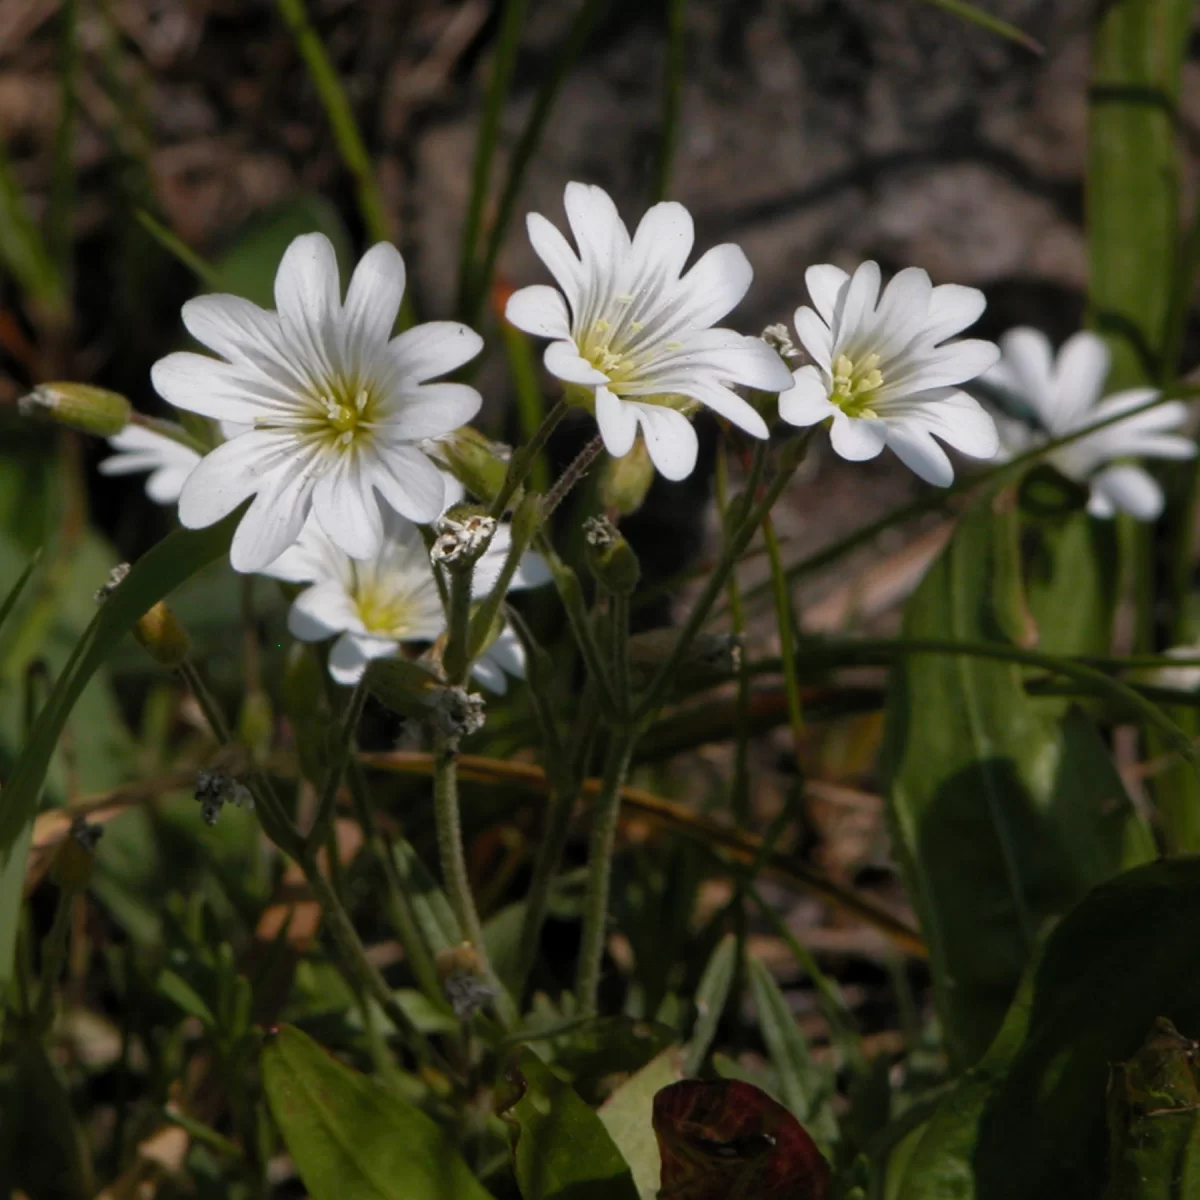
(458, 713)
(779, 338)
(162, 636)
(610, 556)
(115, 578)
(464, 533)
(476, 461)
(75, 859)
(402, 685)
(625, 481)
(80, 406)
(461, 971)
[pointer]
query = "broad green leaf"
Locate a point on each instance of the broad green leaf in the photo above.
(1030, 1118)
(350, 1138)
(563, 1151)
(803, 1086)
(1154, 1119)
(159, 571)
(1133, 180)
(1002, 817)
(628, 1116)
(712, 995)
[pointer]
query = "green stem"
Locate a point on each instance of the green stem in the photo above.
(619, 619)
(524, 527)
(523, 153)
(458, 623)
(531, 405)
(605, 814)
(672, 96)
(524, 459)
(508, 42)
(323, 823)
(448, 819)
(785, 620)
(54, 955)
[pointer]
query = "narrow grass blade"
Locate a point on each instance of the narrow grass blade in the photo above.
(968, 12)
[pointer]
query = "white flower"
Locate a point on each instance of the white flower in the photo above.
(638, 333)
(338, 408)
(1181, 679)
(375, 606)
(140, 449)
(1063, 394)
(883, 373)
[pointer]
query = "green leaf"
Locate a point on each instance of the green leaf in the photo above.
(349, 1138)
(1003, 817)
(181, 993)
(1030, 1119)
(628, 1116)
(14, 593)
(985, 20)
(1133, 180)
(1154, 1119)
(248, 266)
(563, 1150)
(711, 997)
(431, 908)
(803, 1086)
(159, 571)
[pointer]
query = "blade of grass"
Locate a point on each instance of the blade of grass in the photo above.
(62, 171)
(178, 249)
(14, 593)
(23, 251)
(531, 404)
(968, 12)
(785, 620)
(504, 61)
(531, 135)
(672, 97)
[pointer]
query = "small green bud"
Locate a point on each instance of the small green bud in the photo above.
(162, 636)
(610, 556)
(79, 406)
(477, 462)
(624, 482)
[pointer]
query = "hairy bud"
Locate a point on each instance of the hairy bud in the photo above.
(79, 406)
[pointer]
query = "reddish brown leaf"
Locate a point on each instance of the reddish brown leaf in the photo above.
(730, 1141)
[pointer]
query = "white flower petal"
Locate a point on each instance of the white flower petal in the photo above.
(958, 419)
(1127, 488)
(599, 231)
(670, 439)
(726, 404)
(273, 521)
(903, 311)
(539, 310)
(243, 333)
(857, 438)
(228, 474)
(489, 674)
(662, 242)
(952, 308)
(432, 410)
(917, 450)
(814, 336)
(410, 483)
(373, 301)
(308, 297)
(1029, 361)
(165, 484)
(199, 384)
(807, 401)
(555, 251)
(1077, 379)
(617, 421)
(562, 360)
(825, 282)
(508, 653)
(433, 349)
(532, 571)
(321, 611)
(344, 504)
(945, 366)
(713, 287)
(854, 315)
(348, 661)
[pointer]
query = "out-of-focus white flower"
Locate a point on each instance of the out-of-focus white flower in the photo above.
(1181, 679)
(140, 449)
(372, 606)
(631, 327)
(337, 408)
(375, 606)
(883, 370)
(1048, 397)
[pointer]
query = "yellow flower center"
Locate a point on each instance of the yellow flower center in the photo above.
(615, 361)
(345, 417)
(855, 384)
(382, 611)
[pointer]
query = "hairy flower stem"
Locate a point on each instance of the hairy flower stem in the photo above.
(456, 878)
(605, 812)
(576, 470)
(323, 823)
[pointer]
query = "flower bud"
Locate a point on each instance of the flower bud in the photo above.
(464, 533)
(79, 406)
(162, 636)
(402, 685)
(477, 462)
(610, 556)
(625, 481)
